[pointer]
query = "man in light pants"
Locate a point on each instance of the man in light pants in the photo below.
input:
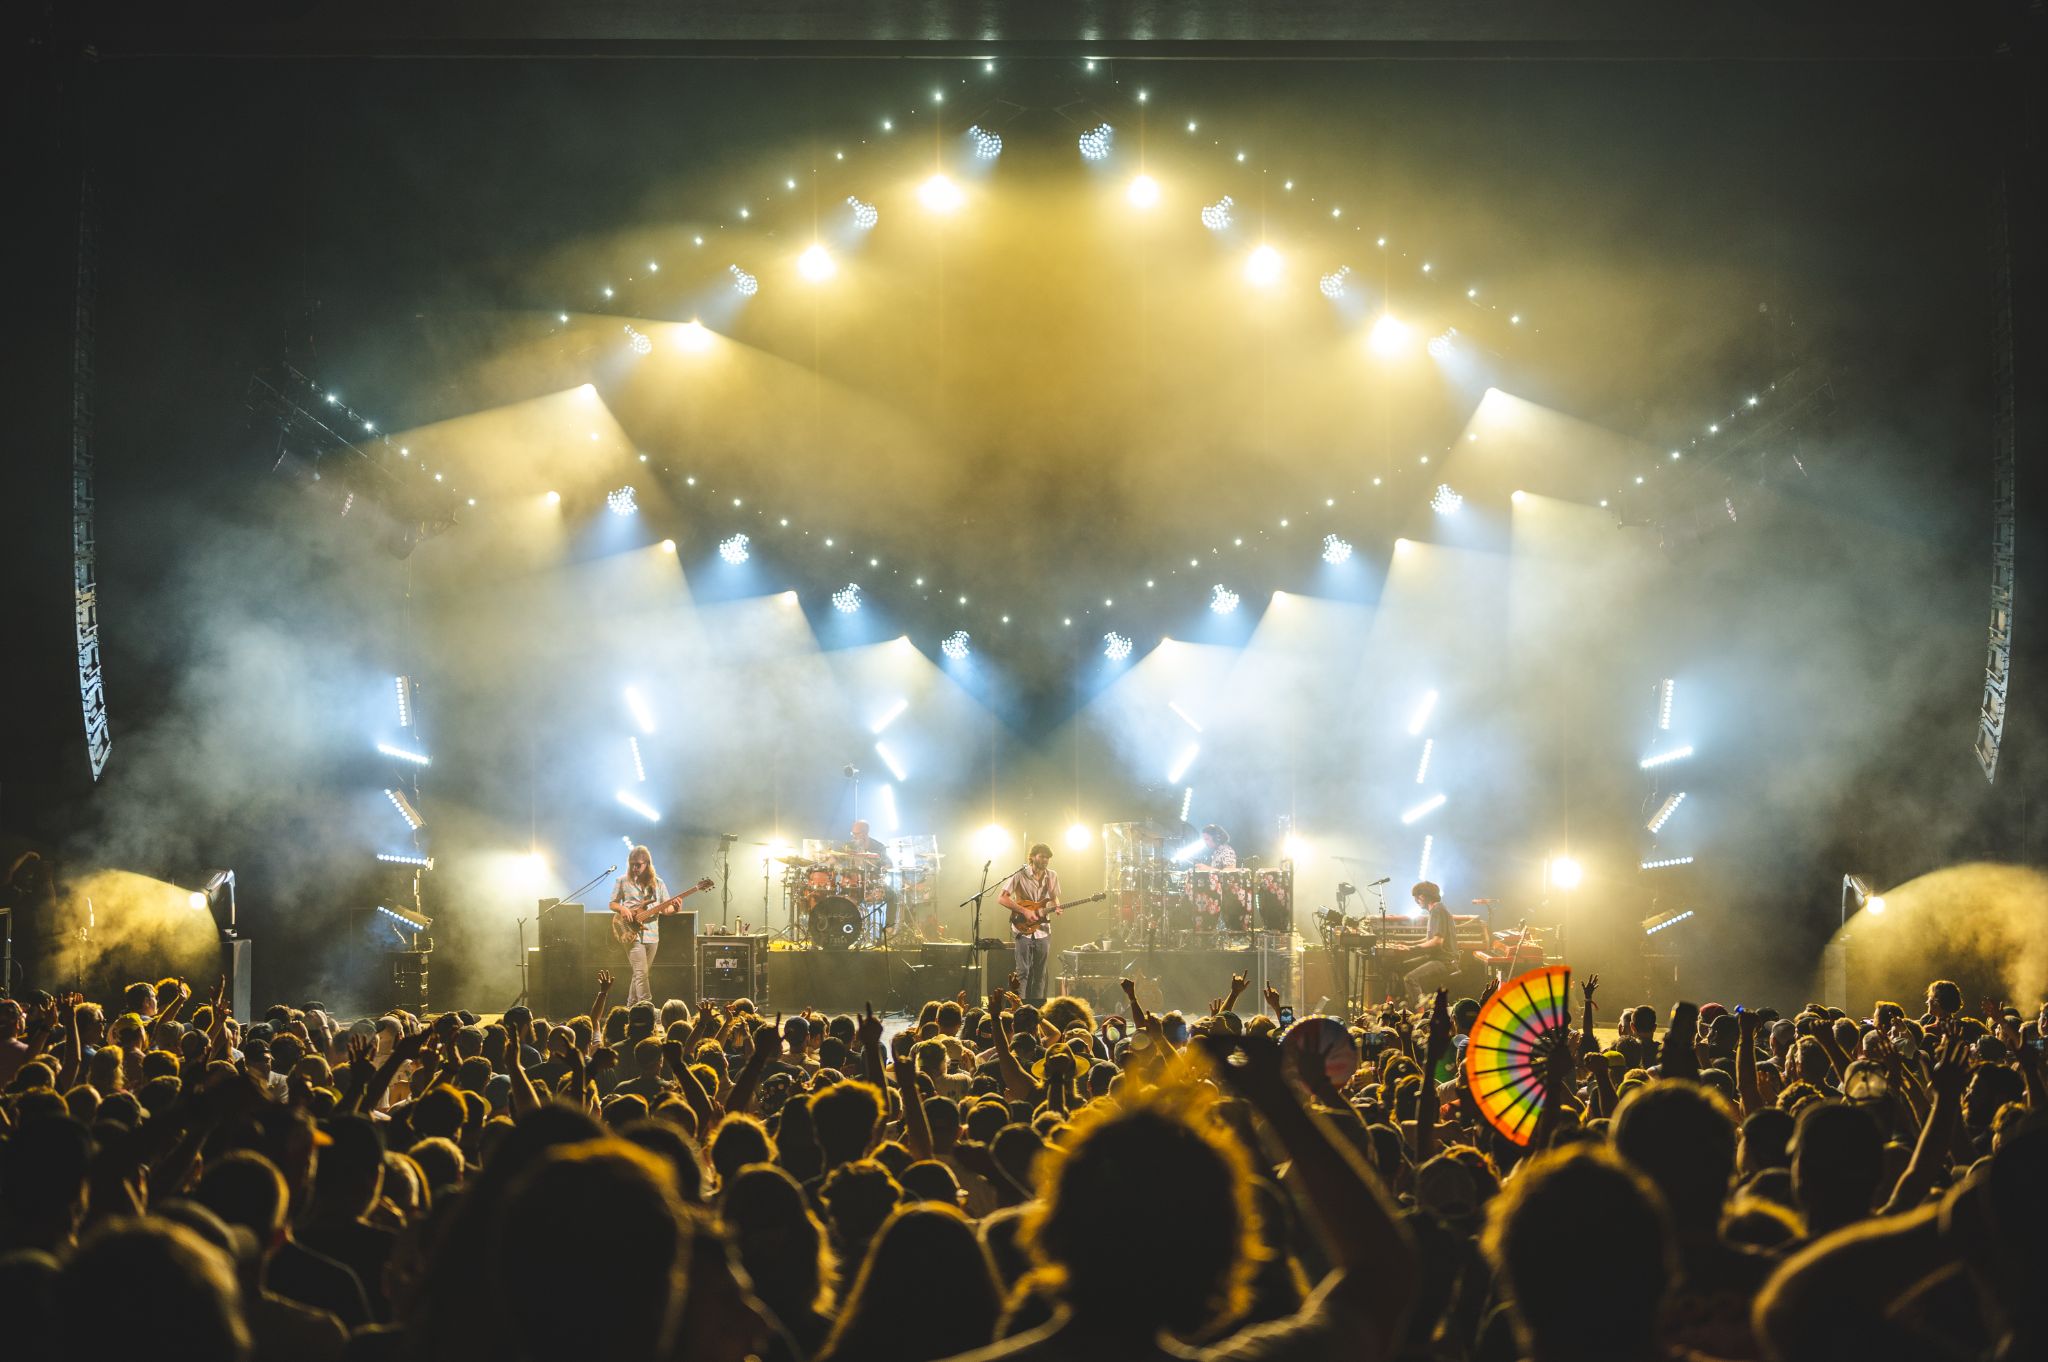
(1034, 884)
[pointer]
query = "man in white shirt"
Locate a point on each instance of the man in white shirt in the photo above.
(1031, 895)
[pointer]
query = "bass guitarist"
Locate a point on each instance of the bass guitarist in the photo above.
(1030, 895)
(637, 887)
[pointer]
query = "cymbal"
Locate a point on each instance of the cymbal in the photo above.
(853, 855)
(798, 861)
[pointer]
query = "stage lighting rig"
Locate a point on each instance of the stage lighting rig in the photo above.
(1445, 500)
(1216, 216)
(1116, 647)
(733, 549)
(1095, 143)
(956, 645)
(846, 600)
(987, 145)
(1332, 284)
(746, 285)
(1222, 599)
(865, 215)
(622, 501)
(1336, 549)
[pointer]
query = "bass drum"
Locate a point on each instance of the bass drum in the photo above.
(835, 923)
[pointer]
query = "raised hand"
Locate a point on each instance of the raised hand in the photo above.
(1587, 986)
(359, 1050)
(1238, 983)
(1272, 997)
(604, 981)
(1130, 989)
(1492, 987)
(1439, 1030)
(1215, 1006)
(1015, 982)
(869, 1029)
(672, 1055)
(1952, 1068)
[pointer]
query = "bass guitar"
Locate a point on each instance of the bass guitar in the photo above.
(1031, 914)
(628, 919)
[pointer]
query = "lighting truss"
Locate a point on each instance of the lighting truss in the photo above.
(1665, 758)
(1666, 863)
(404, 754)
(639, 806)
(393, 858)
(1422, 767)
(1667, 689)
(405, 809)
(1422, 867)
(1663, 921)
(889, 760)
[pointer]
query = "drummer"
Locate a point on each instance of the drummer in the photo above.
(868, 857)
(858, 841)
(1217, 853)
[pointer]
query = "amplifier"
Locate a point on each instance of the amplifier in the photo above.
(733, 967)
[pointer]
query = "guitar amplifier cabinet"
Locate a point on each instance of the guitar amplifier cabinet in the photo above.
(733, 967)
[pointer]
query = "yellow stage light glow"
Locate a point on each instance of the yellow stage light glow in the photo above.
(1875, 905)
(1517, 496)
(816, 264)
(1566, 873)
(668, 546)
(992, 841)
(554, 498)
(1390, 337)
(1077, 837)
(196, 901)
(940, 195)
(1263, 266)
(1144, 192)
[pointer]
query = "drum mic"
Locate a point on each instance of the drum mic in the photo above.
(1384, 879)
(849, 770)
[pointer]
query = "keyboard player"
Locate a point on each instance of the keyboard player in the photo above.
(1431, 963)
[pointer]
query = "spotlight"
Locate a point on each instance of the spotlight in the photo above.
(389, 858)
(1875, 904)
(733, 549)
(1332, 284)
(991, 841)
(621, 501)
(1190, 849)
(638, 340)
(554, 498)
(887, 796)
(693, 335)
(1665, 758)
(889, 716)
(746, 285)
(940, 195)
(1422, 767)
(1666, 689)
(1390, 336)
(1654, 925)
(1184, 716)
(1663, 814)
(955, 645)
(816, 264)
(1077, 837)
(1294, 848)
(1222, 599)
(1565, 872)
(404, 701)
(1336, 549)
(1445, 500)
(889, 760)
(196, 901)
(637, 707)
(1424, 809)
(668, 546)
(865, 215)
(1187, 800)
(1216, 216)
(416, 758)
(1667, 863)
(846, 600)
(1440, 346)
(1095, 142)
(1182, 762)
(1144, 192)
(639, 766)
(1422, 866)
(987, 145)
(1423, 709)
(1116, 647)
(644, 809)
(405, 809)
(1263, 267)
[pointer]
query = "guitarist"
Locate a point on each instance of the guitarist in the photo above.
(1029, 893)
(639, 885)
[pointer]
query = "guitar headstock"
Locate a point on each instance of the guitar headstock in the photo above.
(705, 883)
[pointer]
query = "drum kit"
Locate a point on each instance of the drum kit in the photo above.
(1164, 904)
(841, 899)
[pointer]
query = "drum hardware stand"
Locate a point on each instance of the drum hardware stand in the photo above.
(520, 926)
(725, 841)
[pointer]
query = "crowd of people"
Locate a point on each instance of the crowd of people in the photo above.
(996, 1179)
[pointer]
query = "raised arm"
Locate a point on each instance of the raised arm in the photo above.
(1745, 1063)
(766, 1044)
(1438, 1045)
(874, 1060)
(525, 1097)
(1343, 1198)
(1019, 1084)
(1930, 1151)
(917, 1127)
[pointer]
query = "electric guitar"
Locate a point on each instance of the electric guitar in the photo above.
(1031, 914)
(628, 919)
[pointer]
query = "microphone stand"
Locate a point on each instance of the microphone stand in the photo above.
(725, 841)
(977, 953)
(520, 924)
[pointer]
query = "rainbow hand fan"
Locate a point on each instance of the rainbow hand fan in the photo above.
(1507, 1058)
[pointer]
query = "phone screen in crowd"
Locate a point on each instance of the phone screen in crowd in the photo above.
(1287, 1016)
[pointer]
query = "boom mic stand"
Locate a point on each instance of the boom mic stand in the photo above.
(520, 1001)
(977, 952)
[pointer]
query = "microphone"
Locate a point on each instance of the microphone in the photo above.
(1486, 901)
(1384, 879)
(849, 770)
